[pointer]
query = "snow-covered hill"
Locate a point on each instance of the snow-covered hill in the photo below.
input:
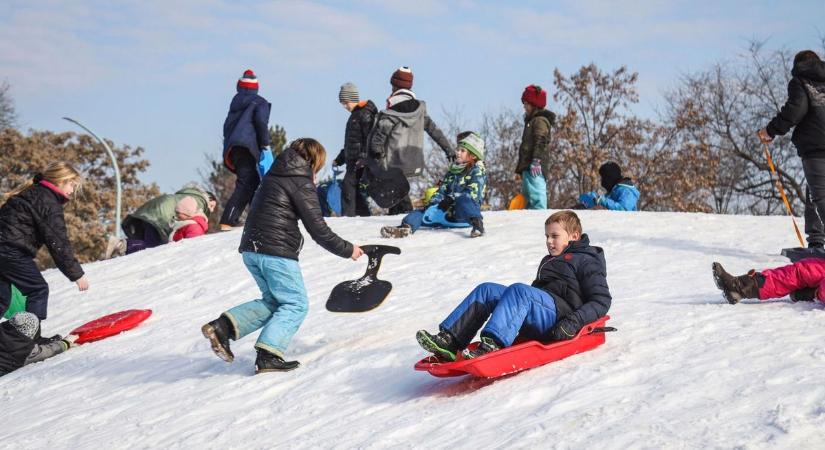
(685, 369)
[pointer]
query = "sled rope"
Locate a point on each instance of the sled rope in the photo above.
(782, 194)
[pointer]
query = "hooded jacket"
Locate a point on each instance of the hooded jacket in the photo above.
(34, 218)
(804, 109)
(287, 194)
(246, 124)
(535, 140)
(624, 196)
(160, 212)
(577, 281)
(397, 139)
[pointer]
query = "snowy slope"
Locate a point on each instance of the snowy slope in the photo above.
(685, 370)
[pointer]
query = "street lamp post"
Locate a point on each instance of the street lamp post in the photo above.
(118, 233)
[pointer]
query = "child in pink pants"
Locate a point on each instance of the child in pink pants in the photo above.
(803, 280)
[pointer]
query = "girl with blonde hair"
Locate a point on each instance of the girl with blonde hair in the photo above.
(32, 216)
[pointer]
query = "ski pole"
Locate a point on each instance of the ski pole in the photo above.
(782, 194)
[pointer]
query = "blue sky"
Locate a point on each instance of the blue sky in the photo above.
(160, 74)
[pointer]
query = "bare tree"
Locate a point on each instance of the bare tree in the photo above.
(8, 115)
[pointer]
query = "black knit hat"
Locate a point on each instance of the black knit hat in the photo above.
(611, 175)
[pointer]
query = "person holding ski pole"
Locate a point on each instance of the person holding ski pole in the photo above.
(805, 112)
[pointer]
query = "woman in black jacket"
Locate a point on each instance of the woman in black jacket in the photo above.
(270, 245)
(31, 217)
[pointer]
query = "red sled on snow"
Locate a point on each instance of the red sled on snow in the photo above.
(110, 325)
(516, 358)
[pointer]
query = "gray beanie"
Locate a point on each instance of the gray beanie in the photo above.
(26, 323)
(348, 93)
(474, 145)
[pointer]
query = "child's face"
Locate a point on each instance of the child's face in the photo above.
(182, 216)
(68, 187)
(462, 155)
(558, 238)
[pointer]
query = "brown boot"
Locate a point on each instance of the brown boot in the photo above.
(737, 288)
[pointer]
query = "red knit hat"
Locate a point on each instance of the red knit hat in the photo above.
(248, 80)
(402, 78)
(535, 96)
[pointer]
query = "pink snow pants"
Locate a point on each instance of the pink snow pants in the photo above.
(805, 273)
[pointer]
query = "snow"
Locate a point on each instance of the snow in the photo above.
(685, 369)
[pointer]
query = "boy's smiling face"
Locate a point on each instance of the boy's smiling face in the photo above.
(558, 238)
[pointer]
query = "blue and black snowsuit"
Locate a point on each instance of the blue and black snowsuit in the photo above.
(572, 285)
(623, 197)
(459, 195)
(245, 132)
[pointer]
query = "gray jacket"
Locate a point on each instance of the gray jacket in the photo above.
(397, 139)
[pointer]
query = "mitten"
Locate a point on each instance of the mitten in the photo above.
(265, 161)
(589, 199)
(535, 167)
(565, 329)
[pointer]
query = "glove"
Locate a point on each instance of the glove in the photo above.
(589, 200)
(535, 167)
(446, 203)
(360, 163)
(565, 329)
(265, 161)
(451, 157)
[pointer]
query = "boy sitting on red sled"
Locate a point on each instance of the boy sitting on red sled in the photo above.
(570, 290)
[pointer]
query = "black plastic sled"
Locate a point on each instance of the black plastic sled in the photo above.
(367, 292)
(387, 187)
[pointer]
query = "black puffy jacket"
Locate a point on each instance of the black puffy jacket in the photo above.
(805, 109)
(15, 347)
(358, 129)
(285, 195)
(34, 218)
(577, 281)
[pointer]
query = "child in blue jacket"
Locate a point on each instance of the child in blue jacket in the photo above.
(458, 199)
(570, 291)
(621, 195)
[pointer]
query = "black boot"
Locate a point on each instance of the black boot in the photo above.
(803, 295)
(478, 227)
(737, 288)
(441, 344)
(487, 345)
(218, 332)
(267, 362)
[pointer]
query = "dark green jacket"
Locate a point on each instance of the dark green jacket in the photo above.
(535, 140)
(160, 211)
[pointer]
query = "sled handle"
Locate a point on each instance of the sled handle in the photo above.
(603, 330)
(376, 254)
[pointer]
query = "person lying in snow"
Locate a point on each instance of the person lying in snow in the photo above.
(621, 195)
(459, 195)
(803, 280)
(190, 220)
(570, 291)
(18, 343)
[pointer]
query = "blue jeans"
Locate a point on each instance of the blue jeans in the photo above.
(463, 210)
(534, 189)
(281, 310)
(511, 309)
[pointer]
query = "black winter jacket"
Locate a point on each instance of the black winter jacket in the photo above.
(246, 124)
(14, 348)
(34, 218)
(285, 195)
(577, 281)
(358, 129)
(804, 109)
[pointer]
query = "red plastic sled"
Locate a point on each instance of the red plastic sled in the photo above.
(523, 356)
(110, 325)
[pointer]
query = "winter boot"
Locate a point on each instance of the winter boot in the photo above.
(218, 332)
(441, 344)
(803, 295)
(737, 288)
(478, 227)
(390, 231)
(486, 345)
(229, 227)
(267, 362)
(115, 247)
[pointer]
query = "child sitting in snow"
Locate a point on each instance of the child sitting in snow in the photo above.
(621, 195)
(18, 345)
(190, 221)
(570, 291)
(803, 280)
(460, 194)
